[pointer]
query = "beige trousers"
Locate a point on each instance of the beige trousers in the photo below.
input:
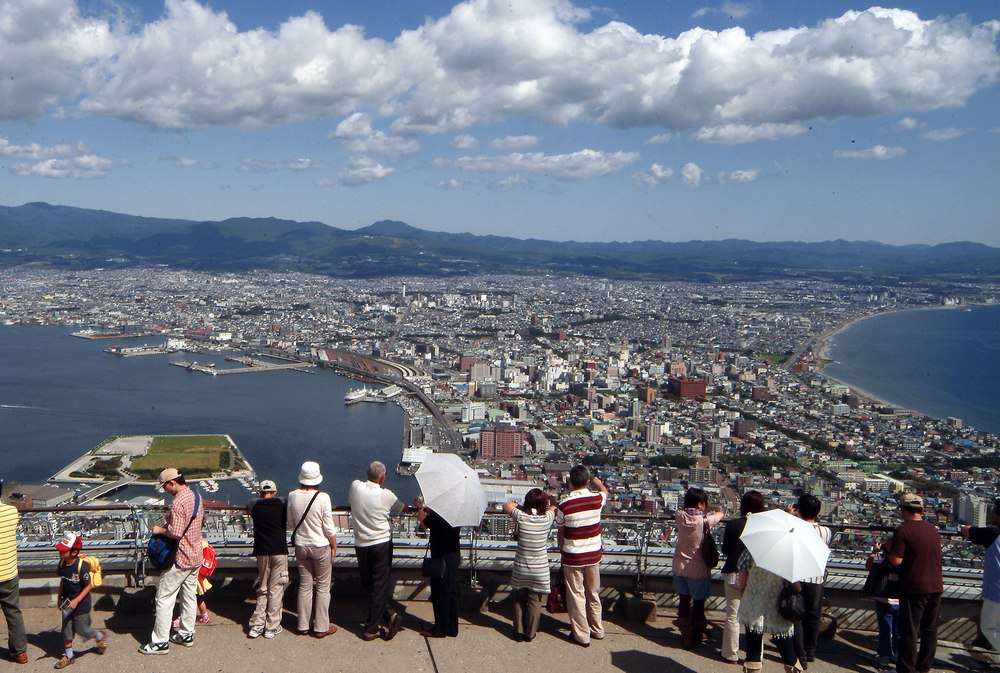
(315, 577)
(272, 575)
(583, 601)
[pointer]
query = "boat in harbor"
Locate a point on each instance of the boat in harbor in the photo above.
(356, 395)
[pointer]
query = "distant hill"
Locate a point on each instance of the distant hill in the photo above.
(66, 237)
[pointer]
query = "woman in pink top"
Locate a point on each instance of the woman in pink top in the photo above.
(692, 578)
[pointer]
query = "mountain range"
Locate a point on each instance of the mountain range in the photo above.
(68, 237)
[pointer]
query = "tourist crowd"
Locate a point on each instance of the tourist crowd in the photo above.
(758, 601)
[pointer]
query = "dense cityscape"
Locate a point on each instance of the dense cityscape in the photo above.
(656, 385)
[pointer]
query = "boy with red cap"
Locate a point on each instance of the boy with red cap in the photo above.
(74, 598)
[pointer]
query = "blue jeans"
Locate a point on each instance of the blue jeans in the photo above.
(888, 629)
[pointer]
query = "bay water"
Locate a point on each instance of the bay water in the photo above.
(940, 362)
(60, 396)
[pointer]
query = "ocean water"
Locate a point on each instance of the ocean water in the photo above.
(940, 362)
(60, 396)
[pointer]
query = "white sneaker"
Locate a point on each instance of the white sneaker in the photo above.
(254, 632)
(185, 639)
(155, 648)
(271, 633)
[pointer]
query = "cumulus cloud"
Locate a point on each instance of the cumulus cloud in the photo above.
(363, 170)
(691, 173)
(909, 124)
(515, 142)
(451, 183)
(740, 176)
(464, 141)
(733, 134)
(655, 175)
(879, 152)
(511, 182)
(64, 160)
(945, 134)
(579, 165)
(256, 165)
(484, 62)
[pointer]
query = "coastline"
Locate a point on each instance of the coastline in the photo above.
(822, 349)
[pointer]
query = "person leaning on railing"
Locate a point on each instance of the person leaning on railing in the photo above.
(989, 618)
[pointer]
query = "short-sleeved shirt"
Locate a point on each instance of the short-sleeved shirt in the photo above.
(75, 575)
(189, 554)
(270, 526)
(919, 544)
(579, 514)
(8, 542)
(372, 509)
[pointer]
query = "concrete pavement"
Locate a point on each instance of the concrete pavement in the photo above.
(483, 646)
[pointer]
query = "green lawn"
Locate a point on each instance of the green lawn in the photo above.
(193, 455)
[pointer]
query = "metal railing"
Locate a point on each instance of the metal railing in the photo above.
(636, 545)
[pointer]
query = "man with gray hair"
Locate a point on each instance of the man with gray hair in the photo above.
(372, 509)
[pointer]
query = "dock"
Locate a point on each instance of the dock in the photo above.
(251, 365)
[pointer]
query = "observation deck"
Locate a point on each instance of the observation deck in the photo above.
(636, 591)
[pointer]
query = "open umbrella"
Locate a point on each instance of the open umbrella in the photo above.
(452, 489)
(785, 544)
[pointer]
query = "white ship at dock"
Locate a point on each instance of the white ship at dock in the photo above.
(371, 395)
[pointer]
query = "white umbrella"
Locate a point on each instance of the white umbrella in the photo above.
(452, 489)
(785, 544)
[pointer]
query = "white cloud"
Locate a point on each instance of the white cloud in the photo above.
(259, 166)
(188, 162)
(654, 176)
(691, 173)
(909, 124)
(357, 125)
(363, 170)
(660, 139)
(80, 166)
(511, 182)
(380, 143)
(515, 142)
(732, 134)
(448, 184)
(64, 160)
(879, 152)
(579, 165)
(484, 62)
(740, 176)
(464, 141)
(945, 134)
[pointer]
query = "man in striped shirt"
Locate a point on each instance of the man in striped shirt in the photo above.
(579, 521)
(17, 640)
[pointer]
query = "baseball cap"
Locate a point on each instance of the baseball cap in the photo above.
(267, 486)
(169, 474)
(70, 541)
(911, 500)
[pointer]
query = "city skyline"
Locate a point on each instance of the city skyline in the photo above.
(530, 119)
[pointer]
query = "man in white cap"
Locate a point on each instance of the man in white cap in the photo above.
(372, 509)
(314, 534)
(269, 514)
(180, 579)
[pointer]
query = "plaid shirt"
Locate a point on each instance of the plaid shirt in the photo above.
(189, 553)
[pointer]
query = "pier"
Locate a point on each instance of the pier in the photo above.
(251, 365)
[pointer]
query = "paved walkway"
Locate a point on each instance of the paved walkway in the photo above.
(483, 646)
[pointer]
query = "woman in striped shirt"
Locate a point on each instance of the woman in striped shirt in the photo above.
(530, 579)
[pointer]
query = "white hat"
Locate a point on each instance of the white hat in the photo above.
(267, 486)
(310, 475)
(169, 474)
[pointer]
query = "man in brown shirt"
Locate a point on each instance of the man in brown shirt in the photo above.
(181, 579)
(916, 550)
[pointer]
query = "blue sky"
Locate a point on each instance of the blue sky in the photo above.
(627, 120)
